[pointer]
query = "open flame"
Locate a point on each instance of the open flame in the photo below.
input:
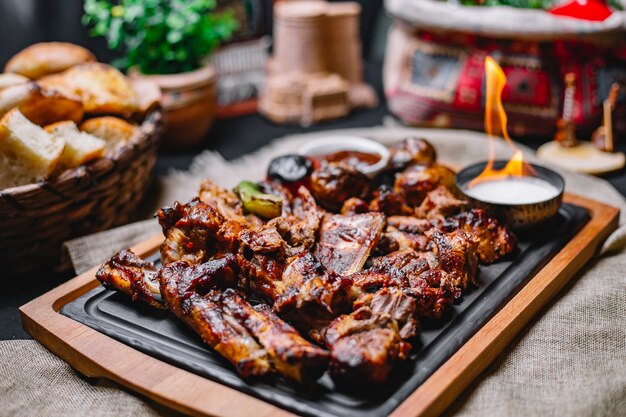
(495, 124)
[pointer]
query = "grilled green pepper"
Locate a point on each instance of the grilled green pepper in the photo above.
(255, 201)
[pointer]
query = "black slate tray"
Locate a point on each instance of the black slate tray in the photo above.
(159, 334)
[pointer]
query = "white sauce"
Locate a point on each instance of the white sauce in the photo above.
(524, 190)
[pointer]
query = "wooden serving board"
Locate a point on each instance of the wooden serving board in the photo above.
(97, 355)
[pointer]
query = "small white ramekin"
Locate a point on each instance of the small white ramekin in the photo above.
(332, 144)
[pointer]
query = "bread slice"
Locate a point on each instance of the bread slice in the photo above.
(47, 58)
(115, 132)
(28, 154)
(101, 88)
(80, 147)
(11, 80)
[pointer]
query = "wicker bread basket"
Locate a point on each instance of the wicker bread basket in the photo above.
(35, 219)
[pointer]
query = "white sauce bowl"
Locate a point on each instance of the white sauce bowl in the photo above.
(332, 144)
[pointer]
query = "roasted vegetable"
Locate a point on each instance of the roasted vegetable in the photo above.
(255, 201)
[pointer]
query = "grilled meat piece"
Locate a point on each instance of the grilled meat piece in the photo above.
(224, 333)
(420, 276)
(290, 354)
(345, 242)
(254, 340)
(224, 201)
(287, 236)
(311, 296)
(355, 206)
(411, 151)
(190, 231)
(410, 224)
(335, 182)
(367, 357)
(494, 240)
(200, 307)
(404, 240)
(179, 280)
(439, 203)
(261, 275)
(416, 181)
(127, 273)
(386, 200)
(456, 252)
(395, 303)
(367, 343)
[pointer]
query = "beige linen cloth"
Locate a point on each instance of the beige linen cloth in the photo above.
(570, 362)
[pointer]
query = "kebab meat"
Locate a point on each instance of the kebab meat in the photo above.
(317, 268)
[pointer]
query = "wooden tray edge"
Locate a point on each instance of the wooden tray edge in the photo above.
(97, 355)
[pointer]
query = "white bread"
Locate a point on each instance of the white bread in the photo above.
(10, 80)
(80, 147)
(28, 154)
(115, 132)
(47, 58)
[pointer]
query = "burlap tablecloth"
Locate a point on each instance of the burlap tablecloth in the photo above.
(570, 362)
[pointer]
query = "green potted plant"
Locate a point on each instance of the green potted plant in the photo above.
(168, 42)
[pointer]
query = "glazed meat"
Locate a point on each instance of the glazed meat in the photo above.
(254, 340)
(260, 275)
(420, 276)
(192, 232)
(225, 202)
(440, 203)
(355, 206)
(494, 240)
(290, 355)
(287, 236)
(456, 253)
(179, 280)
(416, 181)
(367, 343)
(345, 242)
(357, 283)
(367, 357)
(311, 296)
(411, 151)
(127, 273)
(386, 200)
(335, 182)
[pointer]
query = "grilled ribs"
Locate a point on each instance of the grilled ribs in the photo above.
(345, 242)
(127, 273)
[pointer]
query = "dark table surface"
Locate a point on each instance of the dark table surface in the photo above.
(232, 138)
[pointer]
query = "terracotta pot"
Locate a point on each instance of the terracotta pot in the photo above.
(190, 104)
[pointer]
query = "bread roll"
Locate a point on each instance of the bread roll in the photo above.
(11, 80)
(80, 147)
(115, 132)
(41, 106)
(101, 88)
(12, 97)
(44, 106)
(47, 58)
(28, 154)
(148, 94)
